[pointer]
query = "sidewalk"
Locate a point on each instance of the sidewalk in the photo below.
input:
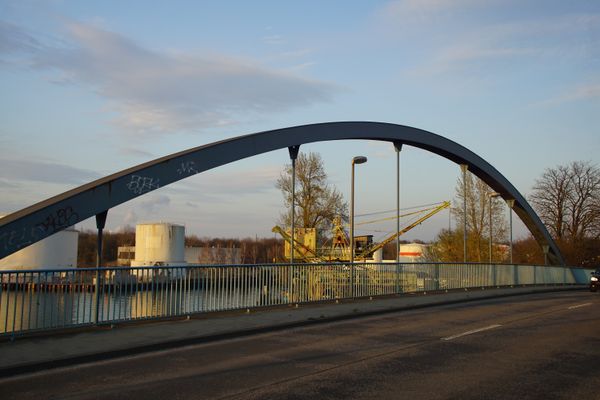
(56, 349)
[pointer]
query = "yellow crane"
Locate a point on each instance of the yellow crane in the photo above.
(301, 251)
(340, 244)
(370, 250)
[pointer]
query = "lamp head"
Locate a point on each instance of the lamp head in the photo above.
(359, 160)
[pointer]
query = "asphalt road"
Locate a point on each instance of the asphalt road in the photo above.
(544, 346)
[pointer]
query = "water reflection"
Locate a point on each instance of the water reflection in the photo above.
(33, 310)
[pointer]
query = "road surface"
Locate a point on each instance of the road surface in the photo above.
(543, 346)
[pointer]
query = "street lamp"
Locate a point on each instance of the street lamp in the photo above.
(355, 160)
(464, 168)
(490, 196)
(511, 204)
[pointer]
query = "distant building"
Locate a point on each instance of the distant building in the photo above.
(125, 254)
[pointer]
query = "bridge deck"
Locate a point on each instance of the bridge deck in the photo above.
(28, 354)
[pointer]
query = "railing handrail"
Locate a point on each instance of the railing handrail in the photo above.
(150, 267)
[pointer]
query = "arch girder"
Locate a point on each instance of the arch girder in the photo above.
(43, 219)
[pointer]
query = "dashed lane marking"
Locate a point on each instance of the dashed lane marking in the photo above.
(580, 305)
(485, 328)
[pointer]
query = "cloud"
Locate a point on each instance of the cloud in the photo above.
(483, 46)
(14, 39)
(130, 218)
(154, 203)
(223, 186)
(136, 152)
(467, 55)
(28, 170)
(156, 91)
(5, 184)
(577, 93)
(273, 39)
(416, 11)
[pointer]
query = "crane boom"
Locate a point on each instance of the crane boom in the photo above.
(381, 244)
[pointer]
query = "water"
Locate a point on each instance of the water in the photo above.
(37, 310)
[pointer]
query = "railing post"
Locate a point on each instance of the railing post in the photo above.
(100, 223)
(494, 279)
(352, 279)
(515, 274)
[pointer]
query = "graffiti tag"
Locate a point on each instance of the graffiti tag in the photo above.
(188, 167)
(19, 238)
(142, 184)
(62, 218)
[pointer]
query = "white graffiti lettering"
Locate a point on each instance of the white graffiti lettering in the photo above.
(188, 167)
(142, 184)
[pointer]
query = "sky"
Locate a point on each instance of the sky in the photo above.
(90, 88)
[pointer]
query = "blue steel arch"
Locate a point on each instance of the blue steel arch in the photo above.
(43, 219)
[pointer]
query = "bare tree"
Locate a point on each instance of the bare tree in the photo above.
(477, 217)
(567, 199)
(549, 198)
(317, 202)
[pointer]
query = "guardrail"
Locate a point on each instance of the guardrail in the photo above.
(38, 300)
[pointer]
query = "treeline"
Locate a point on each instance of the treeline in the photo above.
(86, 248)
(253, 250)
(582, 253)
(567, 200)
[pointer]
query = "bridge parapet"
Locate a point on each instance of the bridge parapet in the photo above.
(57, 299)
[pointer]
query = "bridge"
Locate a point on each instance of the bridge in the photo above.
(251, 299)
(91, 295)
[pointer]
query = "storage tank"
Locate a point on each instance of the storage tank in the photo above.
(412, 252)
(57, 251)
(159, 243)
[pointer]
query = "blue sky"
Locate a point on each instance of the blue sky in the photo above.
(90, 88)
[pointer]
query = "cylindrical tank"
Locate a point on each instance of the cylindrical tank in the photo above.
(378, 256)
(57, 251)
(411, 252)
(159, 243)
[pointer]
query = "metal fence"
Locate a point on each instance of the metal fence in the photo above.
(53, 299)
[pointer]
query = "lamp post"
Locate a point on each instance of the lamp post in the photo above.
(398, 147)
(490, 196)
(355, 160)
(293, 150)
(511, 204)
(464, 168)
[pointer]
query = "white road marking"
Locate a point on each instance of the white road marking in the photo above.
(471, 332)
(580, 305)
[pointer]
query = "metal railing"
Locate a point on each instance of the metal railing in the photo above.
(39, 300)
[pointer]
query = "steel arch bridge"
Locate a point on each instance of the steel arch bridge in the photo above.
(34, 223)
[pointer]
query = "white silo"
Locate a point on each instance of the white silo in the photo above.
(159, 243)
(58, 251)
